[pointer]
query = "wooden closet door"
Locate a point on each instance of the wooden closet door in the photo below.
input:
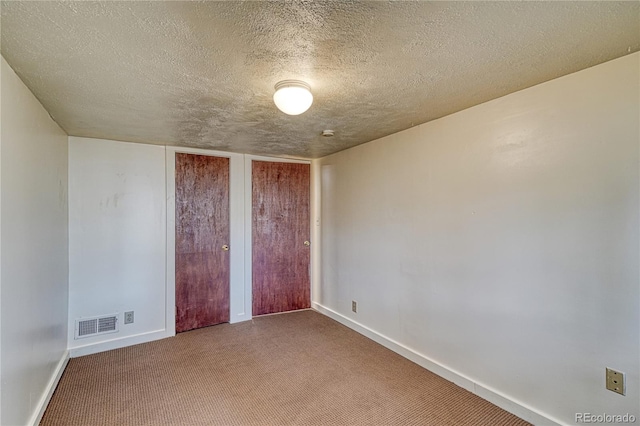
(202, 238)
(280, 234)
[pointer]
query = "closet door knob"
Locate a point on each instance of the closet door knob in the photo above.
(225, 247)
(307, 243)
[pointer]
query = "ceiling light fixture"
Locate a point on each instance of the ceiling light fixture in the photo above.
(293, 97)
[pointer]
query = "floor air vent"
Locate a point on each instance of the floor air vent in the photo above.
(87, 327)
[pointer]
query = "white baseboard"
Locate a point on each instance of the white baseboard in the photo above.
(94, 348)
(51, 387)
(240, 318)
(485, 392)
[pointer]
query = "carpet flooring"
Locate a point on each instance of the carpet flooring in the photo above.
(299, 368)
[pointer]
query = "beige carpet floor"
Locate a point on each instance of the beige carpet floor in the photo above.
(299, 368)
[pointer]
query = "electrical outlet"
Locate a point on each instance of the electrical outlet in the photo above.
(615, 381)
(128, 317)
(354, 306)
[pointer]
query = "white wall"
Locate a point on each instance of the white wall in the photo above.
(34, 247)
(117, 239)
(501, 242)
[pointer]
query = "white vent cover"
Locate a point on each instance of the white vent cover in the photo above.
(87, 327)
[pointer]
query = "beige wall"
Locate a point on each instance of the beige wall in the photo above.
(34, 244)
(501, 242)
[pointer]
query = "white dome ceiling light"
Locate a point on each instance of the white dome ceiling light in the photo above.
(293, 97)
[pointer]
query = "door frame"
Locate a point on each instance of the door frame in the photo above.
(238, 308)
(248, 221)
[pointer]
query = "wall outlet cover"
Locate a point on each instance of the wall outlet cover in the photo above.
(128, 317)
(616, 381)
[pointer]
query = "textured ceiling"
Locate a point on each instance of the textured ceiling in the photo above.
(202, 74)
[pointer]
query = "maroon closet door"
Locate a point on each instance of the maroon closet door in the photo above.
(280, 234)
(202, 238)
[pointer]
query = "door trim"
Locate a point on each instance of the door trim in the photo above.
(239, 302)
(248, 218)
